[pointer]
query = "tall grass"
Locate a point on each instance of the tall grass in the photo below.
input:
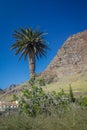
(73, 118)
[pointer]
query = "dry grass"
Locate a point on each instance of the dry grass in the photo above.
(78, 84)
(70, 120)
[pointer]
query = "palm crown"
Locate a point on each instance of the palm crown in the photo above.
(30, 43)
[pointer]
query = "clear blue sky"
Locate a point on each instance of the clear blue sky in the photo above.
(60, 18)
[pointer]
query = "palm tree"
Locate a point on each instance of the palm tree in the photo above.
(30, 43)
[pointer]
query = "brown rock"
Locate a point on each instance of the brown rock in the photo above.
(70, 59)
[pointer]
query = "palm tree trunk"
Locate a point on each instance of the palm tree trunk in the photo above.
(31, 59)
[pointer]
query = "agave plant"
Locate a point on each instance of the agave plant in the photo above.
(30, 43)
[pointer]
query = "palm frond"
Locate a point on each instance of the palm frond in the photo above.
(29, 41)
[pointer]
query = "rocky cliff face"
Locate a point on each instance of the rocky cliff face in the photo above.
(71, 59)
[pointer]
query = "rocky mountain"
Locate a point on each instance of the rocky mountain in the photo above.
(70, 60)
(1, 91)
(12, 86)
(7, 94)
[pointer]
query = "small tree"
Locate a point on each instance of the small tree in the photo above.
(71, 95)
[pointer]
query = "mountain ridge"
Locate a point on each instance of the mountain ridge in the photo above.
(70, 59)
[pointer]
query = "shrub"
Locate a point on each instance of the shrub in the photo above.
(34, 100)
(15, 97)
(41, 82)
(71, 95)
(82, 101)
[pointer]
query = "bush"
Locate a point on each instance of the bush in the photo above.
(41, 82)
(82, 101)
(35, 101)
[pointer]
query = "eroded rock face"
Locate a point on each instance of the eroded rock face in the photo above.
(70, 59)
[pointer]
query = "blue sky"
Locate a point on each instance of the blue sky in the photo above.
(60, 18)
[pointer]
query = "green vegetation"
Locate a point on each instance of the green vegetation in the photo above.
(34, 100)
(30, 43)
(72, 119)
(41, 110)
(82, 101)
(71, 95)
